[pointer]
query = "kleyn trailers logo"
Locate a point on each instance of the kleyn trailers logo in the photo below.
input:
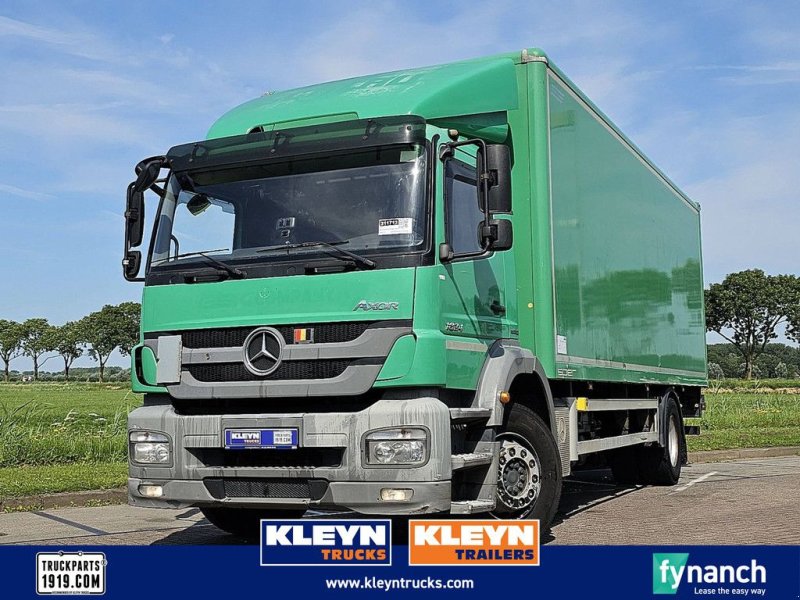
(473, 542)
(671, 570)
(306, 542)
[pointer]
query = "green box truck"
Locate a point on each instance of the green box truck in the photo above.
(428, 291)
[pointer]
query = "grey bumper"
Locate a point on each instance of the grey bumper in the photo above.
(350, 485)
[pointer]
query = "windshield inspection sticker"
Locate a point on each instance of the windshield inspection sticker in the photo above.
(395, 226)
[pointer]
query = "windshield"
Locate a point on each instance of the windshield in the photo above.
(368, 201)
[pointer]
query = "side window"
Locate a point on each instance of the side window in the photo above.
(462, 209)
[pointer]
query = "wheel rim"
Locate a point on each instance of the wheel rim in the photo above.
(672, 441)
(519, 480)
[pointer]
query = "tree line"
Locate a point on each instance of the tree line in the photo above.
(778, 361)
(98, 335)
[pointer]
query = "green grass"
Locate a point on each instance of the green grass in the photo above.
(31, 481)
(57, 437)
(748, 420)
(755, 385)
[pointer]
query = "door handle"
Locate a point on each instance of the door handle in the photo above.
(497, 308)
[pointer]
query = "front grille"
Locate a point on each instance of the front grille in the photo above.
(308, 458)
(312, 489)
(229, 337)
(294, 369)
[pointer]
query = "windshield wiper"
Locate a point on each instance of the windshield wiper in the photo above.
(333, 245)
(232, 271)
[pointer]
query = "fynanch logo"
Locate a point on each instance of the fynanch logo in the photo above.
(364, 305)
(671, 570)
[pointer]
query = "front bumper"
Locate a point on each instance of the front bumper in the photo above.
(199, 468)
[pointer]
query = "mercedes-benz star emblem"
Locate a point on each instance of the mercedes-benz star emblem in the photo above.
(262, 351)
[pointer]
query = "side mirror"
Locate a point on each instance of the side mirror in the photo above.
(134, 216)
(498, 167)
(147, 172)
(497, 235)
(131, 265)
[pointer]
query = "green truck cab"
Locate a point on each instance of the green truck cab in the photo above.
(428, 291)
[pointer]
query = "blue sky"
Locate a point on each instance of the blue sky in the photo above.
(709, 90)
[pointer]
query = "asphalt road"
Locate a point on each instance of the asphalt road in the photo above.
(739, 502)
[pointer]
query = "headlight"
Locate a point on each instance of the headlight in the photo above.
(401, 446)
(150, 448)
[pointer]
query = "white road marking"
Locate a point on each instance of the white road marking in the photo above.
(693, 481)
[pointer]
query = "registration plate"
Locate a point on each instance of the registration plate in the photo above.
(284, 438)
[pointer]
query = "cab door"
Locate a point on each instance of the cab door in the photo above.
(473, 289)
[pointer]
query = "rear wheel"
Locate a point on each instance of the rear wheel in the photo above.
(529, 473)
(659, 465)
(662, 465)
(244, 522)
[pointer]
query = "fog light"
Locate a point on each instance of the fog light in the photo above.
(396, 495)
(149, 448)
(151, 491)
(397, 446)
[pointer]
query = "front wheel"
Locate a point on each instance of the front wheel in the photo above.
(529, 473)
(245, 522)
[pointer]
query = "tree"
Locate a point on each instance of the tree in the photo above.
(747, 307)
(37, 340)
(129, 318)
(715, 371)
(109, 329)
(68, 342)
(100, 330)
(10, 342)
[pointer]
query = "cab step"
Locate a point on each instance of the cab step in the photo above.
(469, 415)
(467, 461)
(469, 507)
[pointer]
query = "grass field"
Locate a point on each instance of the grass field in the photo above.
(68, 437)
(754, 419)
(62, 437)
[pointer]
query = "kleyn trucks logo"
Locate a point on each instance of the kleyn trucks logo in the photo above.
(671, 571)
(318, 542)
(473, 542)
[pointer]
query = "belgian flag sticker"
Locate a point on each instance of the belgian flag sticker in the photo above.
(303, 335)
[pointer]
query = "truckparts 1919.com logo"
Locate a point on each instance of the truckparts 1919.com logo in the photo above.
(318, 542)
(473, 542)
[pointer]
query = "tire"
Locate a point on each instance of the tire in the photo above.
(523, 429)
(662, 465)
(244, 522)
(656, 465)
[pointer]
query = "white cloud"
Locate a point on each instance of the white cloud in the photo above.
(12, 190)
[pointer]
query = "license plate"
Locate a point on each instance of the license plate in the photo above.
(285, 438)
